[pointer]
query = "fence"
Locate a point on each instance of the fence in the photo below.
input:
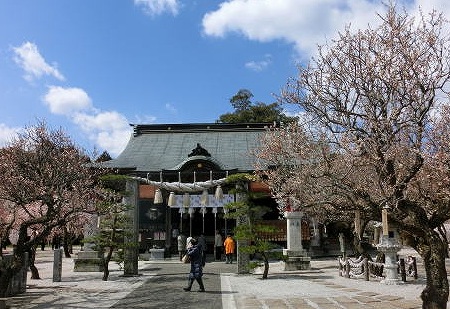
(363, 268)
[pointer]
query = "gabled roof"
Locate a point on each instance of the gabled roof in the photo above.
(168, 146)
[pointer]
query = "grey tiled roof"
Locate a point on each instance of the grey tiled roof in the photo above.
(165, 147)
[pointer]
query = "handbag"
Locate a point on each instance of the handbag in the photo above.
(185, 259)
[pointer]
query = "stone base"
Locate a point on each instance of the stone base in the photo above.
(156, 254)
(88, 261)
(388, 281)
(144, 256)
(295, 253)
(297, 263)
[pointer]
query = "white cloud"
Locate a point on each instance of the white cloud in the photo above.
(302, 23)
(7, 134)
(158, 7)
(428, 5)
(144, 119)
(259, 66)
(27, 56)
(66, 101)
(109, 130)
(172, 109)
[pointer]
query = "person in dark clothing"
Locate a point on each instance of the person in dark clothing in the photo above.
(195, 253)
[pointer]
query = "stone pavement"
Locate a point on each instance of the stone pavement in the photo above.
(159, 285)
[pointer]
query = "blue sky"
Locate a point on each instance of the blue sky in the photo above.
(94, 67)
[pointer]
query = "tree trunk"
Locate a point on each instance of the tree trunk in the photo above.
(432, 250)
(443, 232)
(66, 249)
(106, 260)
(266, 265)
(105, 271)
(33, 269)
(67, 243)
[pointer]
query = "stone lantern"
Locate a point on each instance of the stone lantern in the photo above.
(390, 246)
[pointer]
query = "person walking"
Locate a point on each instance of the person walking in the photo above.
(218, 246)
(188, 241)
(194, 251)
(229, 245)
(181, 245)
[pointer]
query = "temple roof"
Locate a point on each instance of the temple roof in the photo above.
(168, 146)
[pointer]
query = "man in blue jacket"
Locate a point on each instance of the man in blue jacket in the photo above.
(195, 253)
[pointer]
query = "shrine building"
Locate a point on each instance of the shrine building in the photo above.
(182, 170)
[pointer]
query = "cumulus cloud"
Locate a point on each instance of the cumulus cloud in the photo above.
(260, 65)
(107, 129)
(27, 56)
(158, 7)
(66, 101)
(301, 23)
(110, 130)
(7, 134)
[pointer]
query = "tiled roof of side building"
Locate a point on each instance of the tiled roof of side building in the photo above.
(166, 146)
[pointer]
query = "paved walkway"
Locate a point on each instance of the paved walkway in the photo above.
(160, 283)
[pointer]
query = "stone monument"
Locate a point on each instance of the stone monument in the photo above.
(297, 257)
(89, 259)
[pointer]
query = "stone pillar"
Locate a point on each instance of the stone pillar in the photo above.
(57, 265)
(131, 253)
(243, 259)
(296, 256)
(294, 231)
(89, 259)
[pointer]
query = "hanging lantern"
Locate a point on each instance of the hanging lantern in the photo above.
(204, 200)
(172, 200)
(219, 193)
(186, 200)
(158, 197)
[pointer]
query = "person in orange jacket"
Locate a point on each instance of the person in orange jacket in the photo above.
(230, 246)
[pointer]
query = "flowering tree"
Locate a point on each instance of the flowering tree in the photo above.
(7, 218)
(44, 183)
(379, 134)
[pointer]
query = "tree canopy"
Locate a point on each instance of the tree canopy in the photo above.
(377, 134)
(45, 184)
(245, 111)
